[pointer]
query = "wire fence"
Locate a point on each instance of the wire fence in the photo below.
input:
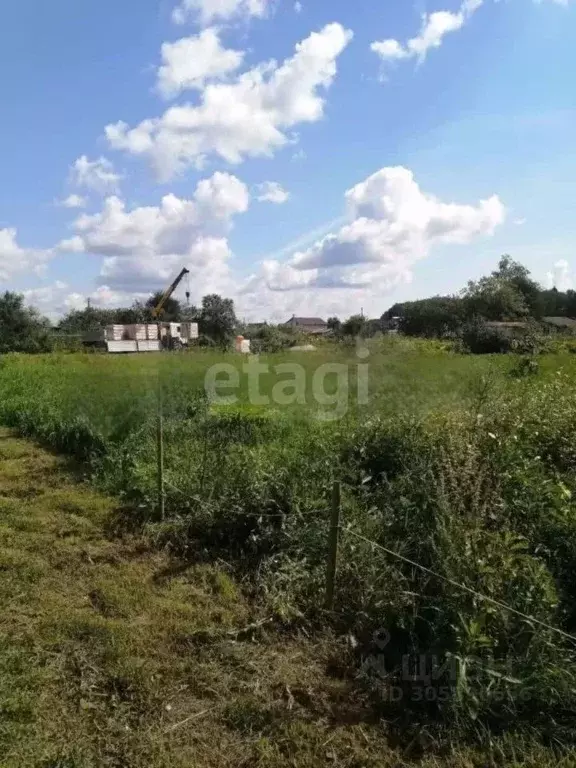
(333, 541)
(335, 532)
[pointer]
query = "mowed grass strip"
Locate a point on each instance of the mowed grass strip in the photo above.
(111, 655)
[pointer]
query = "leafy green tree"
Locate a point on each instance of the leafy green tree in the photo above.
(190, 314)
(171, 311)
(494, 299)
(507, 294)
(137, 313)
(334, 324)
(22, 328)
(434, 318)
(88, 319)
(354, 326)
(518, 276)
(396, 310)
(217, 318)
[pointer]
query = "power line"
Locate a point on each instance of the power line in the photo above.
(463, 586)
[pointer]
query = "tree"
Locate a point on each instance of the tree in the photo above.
(396, 310)
(492, 298)
(22, 329)
(89, 319)
(190, 314)
(518, 276)
(171, 311)
(217, 318)
(507, 294)
(334, 324)
(354, 326)
(137, 313)
(435, 317)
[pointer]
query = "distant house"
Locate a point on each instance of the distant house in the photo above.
(511, 328)
(561, 323)
(313, 325)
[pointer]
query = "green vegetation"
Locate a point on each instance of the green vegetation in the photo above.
(507, 295)
(463, 464)
(113, 655)
(22, 329)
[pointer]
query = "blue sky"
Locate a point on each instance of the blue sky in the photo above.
(313, 158)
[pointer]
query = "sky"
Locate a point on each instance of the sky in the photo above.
(312, 158)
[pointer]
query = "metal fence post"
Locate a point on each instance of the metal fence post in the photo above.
(333, 547)
(160, 450)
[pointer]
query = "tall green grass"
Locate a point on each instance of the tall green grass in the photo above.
(455, 463)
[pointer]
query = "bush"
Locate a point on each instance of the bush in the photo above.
(478, 338)
(270, 339)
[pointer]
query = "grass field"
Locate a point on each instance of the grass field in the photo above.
(463, 464)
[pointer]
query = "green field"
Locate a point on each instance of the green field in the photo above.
(462, 464)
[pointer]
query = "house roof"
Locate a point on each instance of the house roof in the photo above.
(306, 321)
(505, 324)
(560, 322)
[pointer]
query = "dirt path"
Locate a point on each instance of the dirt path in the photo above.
(112, 656)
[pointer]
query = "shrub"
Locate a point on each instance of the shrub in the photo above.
(479, 338)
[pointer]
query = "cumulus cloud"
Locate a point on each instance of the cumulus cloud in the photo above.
(208, 11)
(54, 300)
(191, 62)
(272, 192)
(57, 299)
(142, 247)
(248, 117)
(15, 259)
(561, 276)
(98, 175)
(435, 26)
(391, 225)
(73, 201)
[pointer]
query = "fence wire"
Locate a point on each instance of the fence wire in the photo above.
(463, 587)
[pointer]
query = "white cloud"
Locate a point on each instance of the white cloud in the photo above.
(15, 259)
(272, 192)
(392, 224)
(142, 247)
(57, 299)
(298, 6)
(73, 201)
(435, 26)
(193, 61)
(561, 276)
(208, 11)
(98, 175)
(249, 117)
(54, 300)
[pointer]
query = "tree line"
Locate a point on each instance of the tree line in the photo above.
(24, 329)
(507, 294)
(216, 316)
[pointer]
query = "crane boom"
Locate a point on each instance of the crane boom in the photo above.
(168, 292)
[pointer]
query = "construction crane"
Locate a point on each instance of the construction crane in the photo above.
(168, 293)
